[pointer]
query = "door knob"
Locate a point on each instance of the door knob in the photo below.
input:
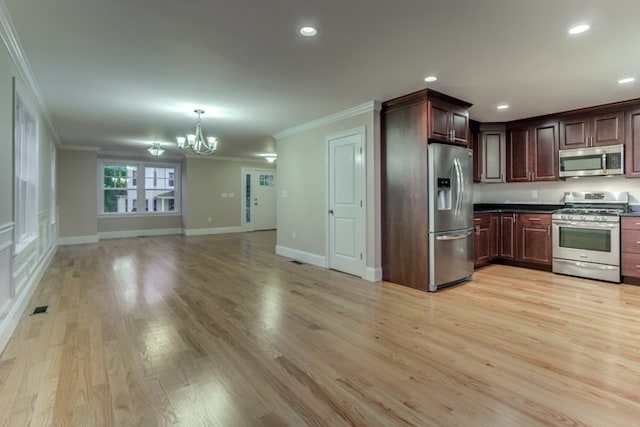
(331, 211)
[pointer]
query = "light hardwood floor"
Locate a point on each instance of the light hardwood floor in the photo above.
(218, 330)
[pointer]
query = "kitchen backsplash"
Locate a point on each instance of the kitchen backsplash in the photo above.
(552, 192)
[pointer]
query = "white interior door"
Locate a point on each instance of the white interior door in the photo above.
(259, 199)
(346, 178)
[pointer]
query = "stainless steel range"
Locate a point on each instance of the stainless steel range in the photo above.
(586, 235)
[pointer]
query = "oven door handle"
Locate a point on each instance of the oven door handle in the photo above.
(607, 225)
(590, 265)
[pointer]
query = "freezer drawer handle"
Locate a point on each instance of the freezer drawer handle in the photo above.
(454, 236)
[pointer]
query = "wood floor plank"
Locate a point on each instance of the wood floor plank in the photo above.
(220, 331)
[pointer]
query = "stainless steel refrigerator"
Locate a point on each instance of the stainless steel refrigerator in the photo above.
(450, 215)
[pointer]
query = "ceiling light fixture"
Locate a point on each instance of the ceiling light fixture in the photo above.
(270, 158)
(430, 79)
(308, 31)
(197, 142)
(502, 107)
(626, 80)
(578, 29)
(155, 150)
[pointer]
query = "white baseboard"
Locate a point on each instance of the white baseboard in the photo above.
(77, 240)
(372, 274)
(138, 233)
(20, 301)
(206, 231)
(299, 255)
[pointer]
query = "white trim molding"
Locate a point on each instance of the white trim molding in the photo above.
(207, 231)
(307, 257)
(372, 274)
(336, 117)
(19, 303)
(138, 233)
(77, 240)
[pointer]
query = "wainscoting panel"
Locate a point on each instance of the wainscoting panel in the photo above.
(6, 273)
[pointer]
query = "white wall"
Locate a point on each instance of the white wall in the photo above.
(302, 182)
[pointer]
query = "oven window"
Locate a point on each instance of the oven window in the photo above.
(587, 239)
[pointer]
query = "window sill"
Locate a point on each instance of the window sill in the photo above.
(24, 244)
(138, 215)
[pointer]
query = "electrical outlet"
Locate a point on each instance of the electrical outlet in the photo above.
(209, 219)
(293, 234)
(231, 195)
(534, 194)
(224, 195)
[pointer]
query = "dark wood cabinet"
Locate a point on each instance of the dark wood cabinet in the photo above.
(595, 130)
(532, 152)
(494, 232)
(630, 248)
(482, 239)
(534, 238)
(476, 146)
(448, 121)
(508, 236)
(408, 122)
(632, 154)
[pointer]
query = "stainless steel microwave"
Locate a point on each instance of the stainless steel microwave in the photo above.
(593, 161)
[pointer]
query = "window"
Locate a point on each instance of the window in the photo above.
(26, 173)
(121, 188)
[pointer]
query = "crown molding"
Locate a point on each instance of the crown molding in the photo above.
(12, 43)
(332, 118)
(229, 159)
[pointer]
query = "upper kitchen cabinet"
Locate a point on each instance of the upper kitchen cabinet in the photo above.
(593, 130)
(532, 152)
(448, 118)
(492, 152)
(632, 119)
(474, 144)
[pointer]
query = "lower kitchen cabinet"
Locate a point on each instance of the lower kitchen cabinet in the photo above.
(630, 242)
(482, 239)
(534, 235)
(507, 236)
(520, 238)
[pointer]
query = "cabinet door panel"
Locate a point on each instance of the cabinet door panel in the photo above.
(573, 133)
(535, 244)
(632, 121)
(608, 129)
(494, 233)
(545, 152)
(493, 156)
(438, 121)
(507, 236)
(518, 155)
(460, 126)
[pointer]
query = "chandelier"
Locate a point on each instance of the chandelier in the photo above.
(155, 150)
(197, 142)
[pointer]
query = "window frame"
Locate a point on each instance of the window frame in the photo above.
(139, 187)
(25, 160)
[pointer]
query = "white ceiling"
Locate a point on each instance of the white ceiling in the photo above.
(119, 74)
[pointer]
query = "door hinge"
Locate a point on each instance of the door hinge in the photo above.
(360, 203)
(360, 150)
(360, 255)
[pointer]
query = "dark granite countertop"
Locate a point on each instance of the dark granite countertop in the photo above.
(515, 208)
(634, 210)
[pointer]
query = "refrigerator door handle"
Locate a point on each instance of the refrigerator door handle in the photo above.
(454, 236)
(459, 186)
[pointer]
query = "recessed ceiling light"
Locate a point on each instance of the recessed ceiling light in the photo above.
(430, 79)
(626, 80)
(502, 106)
(308, 31)
(579, 29)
